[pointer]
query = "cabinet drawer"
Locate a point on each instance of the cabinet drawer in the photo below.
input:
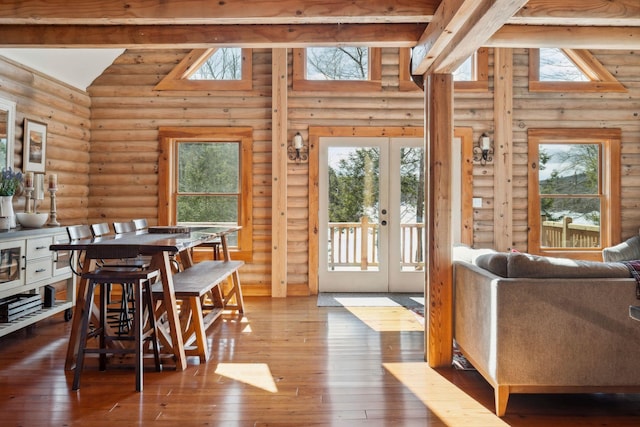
(38, 270)
(39, 248)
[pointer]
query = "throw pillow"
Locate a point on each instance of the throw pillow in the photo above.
(626, 251)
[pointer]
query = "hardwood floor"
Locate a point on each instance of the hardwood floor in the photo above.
(287, 363)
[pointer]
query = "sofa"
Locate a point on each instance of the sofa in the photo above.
(532, 324)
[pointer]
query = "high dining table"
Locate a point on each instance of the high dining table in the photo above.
(161, 243)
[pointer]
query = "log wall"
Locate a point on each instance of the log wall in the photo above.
(66, 111)
(578, 110)
(103, 144)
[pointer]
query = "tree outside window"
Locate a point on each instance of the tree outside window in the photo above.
(224, 64)
(337, 63)
(208, 183)
(205, 178)
(574, 187)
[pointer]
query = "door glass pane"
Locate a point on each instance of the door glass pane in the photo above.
(412, 237)
(353, 208)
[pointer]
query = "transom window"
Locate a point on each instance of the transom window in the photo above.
(569, 70)
(205, 179)
(337, 63)
(223, 64)
(555, 66)
(471, 76)
(225, 68)
(573, 190)
(348, 68)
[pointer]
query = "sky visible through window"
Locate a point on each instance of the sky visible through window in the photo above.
(555, 66)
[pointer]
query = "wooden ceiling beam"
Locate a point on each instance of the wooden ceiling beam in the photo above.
(471, 24)
(537, 36)
(579, 12)
(449, 18)
(205, 36)
(165, 12)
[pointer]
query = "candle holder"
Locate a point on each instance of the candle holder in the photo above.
(28, 191)
(53, 220)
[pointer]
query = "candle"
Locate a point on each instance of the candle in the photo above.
(53, 181)
(28, 180)
(297, 141)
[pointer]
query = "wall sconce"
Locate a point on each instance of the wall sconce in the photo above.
(483, 152)
(297, 151)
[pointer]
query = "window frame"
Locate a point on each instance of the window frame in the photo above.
(169, 138)
(374, 83)
(601, 80)
(609, 141)
(480, 70)
(178, 78)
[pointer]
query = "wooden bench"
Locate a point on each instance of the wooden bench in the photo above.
(201, 290)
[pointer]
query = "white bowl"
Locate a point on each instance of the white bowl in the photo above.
(32, 220)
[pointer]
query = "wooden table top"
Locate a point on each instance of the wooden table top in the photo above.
(152, 242)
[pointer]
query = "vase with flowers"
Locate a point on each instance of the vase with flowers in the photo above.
(10, 182)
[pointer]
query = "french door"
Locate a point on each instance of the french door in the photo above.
(371, 214)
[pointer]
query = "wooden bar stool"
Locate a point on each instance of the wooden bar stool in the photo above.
(121, 314)
(141, 281)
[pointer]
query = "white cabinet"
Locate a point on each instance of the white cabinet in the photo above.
(28, 270)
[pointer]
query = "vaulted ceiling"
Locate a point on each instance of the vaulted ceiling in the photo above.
(444, 32)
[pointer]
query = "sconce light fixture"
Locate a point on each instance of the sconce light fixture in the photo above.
(297, 151)
(483, 152)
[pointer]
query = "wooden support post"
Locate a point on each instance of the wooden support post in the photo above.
(279, 173)
(439, 277)
(503, 149)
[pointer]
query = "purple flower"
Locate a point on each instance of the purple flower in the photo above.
(9, 182)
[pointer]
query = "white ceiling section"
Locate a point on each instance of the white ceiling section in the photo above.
(76, 67)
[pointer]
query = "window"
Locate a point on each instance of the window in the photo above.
(569, 70)
(347, 68)
(471, 76)
(205, 179)
(225, 68)
(574, 188)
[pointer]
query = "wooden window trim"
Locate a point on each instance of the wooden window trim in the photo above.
(601, 79)
(479, 84)
(610, 223)
(178, 78)
(300, 83)
(167, 182)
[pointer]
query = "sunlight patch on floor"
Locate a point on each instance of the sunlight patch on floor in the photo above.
(388, 319)
(450, 404)
(367, 302)
(254, 374)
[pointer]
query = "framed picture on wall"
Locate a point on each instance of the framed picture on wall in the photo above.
(34, 146)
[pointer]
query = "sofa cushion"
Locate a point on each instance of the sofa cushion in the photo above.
(494, 262)
(534, 266)
(626, 251)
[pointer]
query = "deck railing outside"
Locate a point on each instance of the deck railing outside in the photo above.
(566, 234)
(354, 245)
